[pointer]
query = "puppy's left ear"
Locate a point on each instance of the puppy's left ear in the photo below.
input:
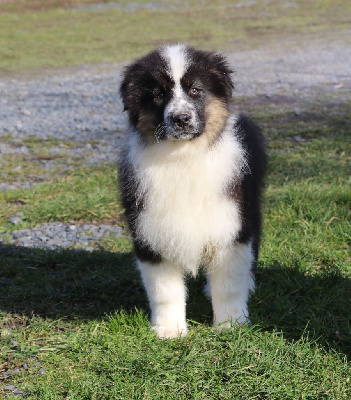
(222, 72)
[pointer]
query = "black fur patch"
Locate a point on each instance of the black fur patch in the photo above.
(143, 80)
(212, 70)
(248, 192)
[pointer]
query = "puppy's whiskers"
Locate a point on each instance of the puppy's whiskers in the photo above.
(160, 132)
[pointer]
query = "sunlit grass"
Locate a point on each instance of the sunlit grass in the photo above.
(33, 37)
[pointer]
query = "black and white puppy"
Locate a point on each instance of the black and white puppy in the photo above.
(191, 178)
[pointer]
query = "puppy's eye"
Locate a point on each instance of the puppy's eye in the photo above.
(194, 91)
(159, 97)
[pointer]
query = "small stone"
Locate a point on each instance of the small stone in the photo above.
(15, 220)
(85, 227)
(299, 139)
(84, 238)
(24, 150)
(22, 233)
(94, 229)
(42, 370)
(53, 243)
(104, 229)
(5, 149)
(27, 244)
(6, 186)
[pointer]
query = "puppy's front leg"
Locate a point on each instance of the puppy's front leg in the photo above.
(230, 284)
(165, 287)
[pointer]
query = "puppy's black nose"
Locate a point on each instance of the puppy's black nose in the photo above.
(181, 120)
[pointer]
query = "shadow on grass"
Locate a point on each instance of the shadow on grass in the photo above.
(68, 283)
(71, 284)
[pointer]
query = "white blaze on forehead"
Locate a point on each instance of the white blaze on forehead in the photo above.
(177, 60)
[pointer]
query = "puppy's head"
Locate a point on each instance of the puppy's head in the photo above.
(177, 93)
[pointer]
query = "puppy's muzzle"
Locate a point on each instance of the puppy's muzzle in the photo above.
(181, 126)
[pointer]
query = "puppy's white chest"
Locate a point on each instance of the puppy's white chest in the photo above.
(186, 208)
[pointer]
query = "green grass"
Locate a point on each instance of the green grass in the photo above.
(119, 359)
(74, 324)
(87, 194)
(30, 165)
(82, 316)
(34, 37)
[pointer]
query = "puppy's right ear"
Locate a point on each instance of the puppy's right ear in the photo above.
(136, 79)
(124, 90)
(130, 91)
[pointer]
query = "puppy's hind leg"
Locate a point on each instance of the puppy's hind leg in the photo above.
(165, 287)
(231, 281)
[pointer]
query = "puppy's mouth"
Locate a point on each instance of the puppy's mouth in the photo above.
(182, 135)
(181, 126)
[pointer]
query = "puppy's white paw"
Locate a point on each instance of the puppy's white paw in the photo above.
(170, 332)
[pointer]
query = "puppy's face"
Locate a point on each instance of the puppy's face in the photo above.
(177, 93)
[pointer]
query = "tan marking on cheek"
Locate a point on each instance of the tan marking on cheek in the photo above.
(216, 117)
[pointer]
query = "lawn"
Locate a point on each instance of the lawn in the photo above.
(37, 34)
(74, 324)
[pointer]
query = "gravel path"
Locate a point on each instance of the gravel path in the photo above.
(56, 235)
(82, 107)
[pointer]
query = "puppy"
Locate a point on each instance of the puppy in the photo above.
(191, 177)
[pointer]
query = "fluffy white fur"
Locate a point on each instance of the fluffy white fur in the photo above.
(167, 297)
(230, 285)
(185, 210)
(175, 55)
